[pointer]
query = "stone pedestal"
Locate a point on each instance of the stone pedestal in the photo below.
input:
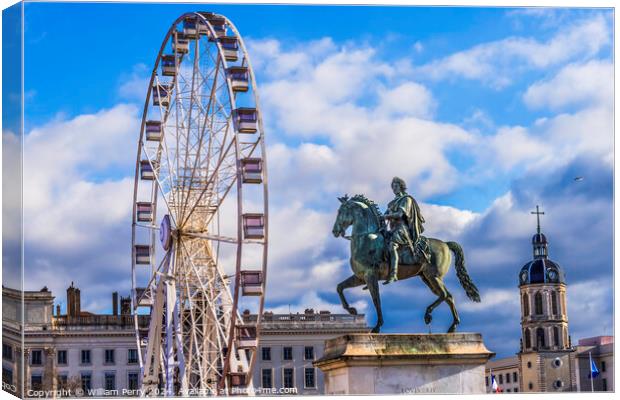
(403, 363)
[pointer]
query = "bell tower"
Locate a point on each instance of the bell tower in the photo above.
(546, 356)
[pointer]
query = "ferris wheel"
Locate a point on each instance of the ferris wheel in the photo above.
(199, 228)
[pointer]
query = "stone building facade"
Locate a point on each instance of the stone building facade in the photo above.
(78, 351)
(601, 349)
(289, 343)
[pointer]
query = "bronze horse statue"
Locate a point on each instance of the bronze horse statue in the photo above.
(369, 260)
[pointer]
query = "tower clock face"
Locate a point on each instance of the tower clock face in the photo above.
(523, 276)
(553, 276)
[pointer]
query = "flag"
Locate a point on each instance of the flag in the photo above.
(593, 370)
(495, 388)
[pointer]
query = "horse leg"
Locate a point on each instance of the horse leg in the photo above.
(373, 287)
(455, 316)
(350, 282)
(437, 290)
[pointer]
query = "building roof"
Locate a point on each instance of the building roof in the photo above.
(309, 321)
(596, 340)
(508, 362)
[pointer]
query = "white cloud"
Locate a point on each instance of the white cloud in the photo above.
(576, 84)
(496, 63)
(410, 99)
(135, 85)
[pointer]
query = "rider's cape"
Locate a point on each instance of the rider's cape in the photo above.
(411, 209)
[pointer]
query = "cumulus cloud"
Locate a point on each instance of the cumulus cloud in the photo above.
(496, 63)
(586, 84)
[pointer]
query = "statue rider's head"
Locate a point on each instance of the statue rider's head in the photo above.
(398, 185)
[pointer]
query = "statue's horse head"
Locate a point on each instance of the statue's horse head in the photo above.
(357, 209)
(345, 217)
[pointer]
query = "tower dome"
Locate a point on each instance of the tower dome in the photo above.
(541, 269)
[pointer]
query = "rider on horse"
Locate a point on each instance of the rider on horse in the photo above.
(403, 214)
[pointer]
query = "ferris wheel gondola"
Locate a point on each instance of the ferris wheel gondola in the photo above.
(200, 218)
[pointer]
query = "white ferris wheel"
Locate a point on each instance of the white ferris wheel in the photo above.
(199, 229)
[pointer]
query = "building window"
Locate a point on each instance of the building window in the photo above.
(558, 384)
(529, 364)
(501, 379)
(516, 390)
(7, 352)
(514, 377)
(531, 386)
(61, 357)
(540, 338)
(266, 378)
(508, 378)
(308, 353)
(526, 305)
(110, 381)
(132, 381)
(602, 366)
(85, 357)
(266, 353)
(36, 382)
(287, 353)
(288, 377)
(554, 303)
(7, 377)
(109, 356)
(36, 357)
(486, 381)
(132, 356)
(604, 385)
(309, 378)
(556, 336)
(538, 303)
(528, 340)
(86, 382)
(508, 390)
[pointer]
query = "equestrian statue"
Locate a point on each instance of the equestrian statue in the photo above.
(396, 251)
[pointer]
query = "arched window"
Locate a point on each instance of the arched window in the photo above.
(526, 305)
(528, 340)
(540, 338)
(556, 336)
(554, 303)
(538, 303)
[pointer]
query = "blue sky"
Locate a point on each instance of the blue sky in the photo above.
(485, 112)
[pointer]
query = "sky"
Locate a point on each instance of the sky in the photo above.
(485, 112)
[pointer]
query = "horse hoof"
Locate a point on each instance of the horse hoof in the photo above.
(376, 329)
(428, 318)
(452, 329)
(352, 310)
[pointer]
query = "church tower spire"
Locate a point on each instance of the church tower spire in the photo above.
(539, 240)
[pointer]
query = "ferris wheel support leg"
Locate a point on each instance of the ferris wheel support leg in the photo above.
(180, 355)
(150, 377)
(170, 330)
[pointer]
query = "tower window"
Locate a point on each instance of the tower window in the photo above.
(554, 303)
(540, 338)
(526, 305)
(556, 336)
(529, 365)
(538, 303)
(528, 340)
(531, 386)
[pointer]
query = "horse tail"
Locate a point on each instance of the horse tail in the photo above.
(461, 272)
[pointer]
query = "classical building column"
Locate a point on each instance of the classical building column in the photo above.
(22, 364)
(49, 374)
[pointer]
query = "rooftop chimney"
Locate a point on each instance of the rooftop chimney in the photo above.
(115, 303)
(73, 301)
